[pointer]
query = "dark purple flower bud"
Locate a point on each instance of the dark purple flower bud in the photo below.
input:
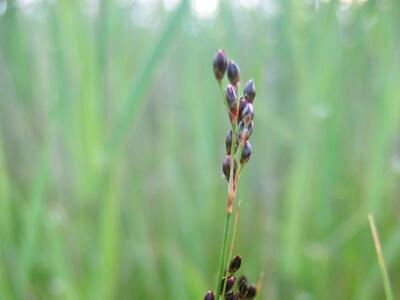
(251, 291)
(242, 285)
(219, 64)
(244, 132)
(230, 296)
(235, 263)
(228, 142)
(246, 153)
(250, 91)
(247, 114)
(209, 295)
(233, 73)
(242, 104)
(230, 95)
(229, 283)
(226, 167)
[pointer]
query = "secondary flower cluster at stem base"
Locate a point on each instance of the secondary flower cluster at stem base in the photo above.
(242, 290)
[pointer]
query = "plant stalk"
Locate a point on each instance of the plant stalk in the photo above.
(222, 256)
(381, 260)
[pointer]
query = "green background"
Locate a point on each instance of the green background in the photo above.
(112, 136)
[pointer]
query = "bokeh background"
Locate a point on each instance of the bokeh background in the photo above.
(112, 135)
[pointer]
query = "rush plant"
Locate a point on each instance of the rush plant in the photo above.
(238, 152)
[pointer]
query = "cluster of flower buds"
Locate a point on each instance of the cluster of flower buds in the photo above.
(240, 110)
(242, 290)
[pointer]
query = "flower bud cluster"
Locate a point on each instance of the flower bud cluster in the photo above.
(234, 289)
(240, 111)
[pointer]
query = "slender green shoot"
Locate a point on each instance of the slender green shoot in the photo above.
(222, 256)
(381, 260)
(232, 244)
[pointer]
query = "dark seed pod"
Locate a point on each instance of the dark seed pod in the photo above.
(219, 64)
(230, 296)
(243, 134)
(209, 295)
(251, 291)
(226, 167)
(229, 284)
(228, 142)
(233, 73)
(242, 104)
(235, 263)
(242, 285)
(247, 114)
(230, 95)
(250, 91)
(246, 153)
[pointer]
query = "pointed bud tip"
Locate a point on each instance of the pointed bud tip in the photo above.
(209, 295)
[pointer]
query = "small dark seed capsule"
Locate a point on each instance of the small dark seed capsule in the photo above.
(226, 167)
(247, 114)
(228, 142)
(251, 291)
(233, 73)
(230, 296)
(219, 64)
(235, 263)
(242, 285)
(230, 95)
(246, 153)
(245, 134)
(229, 284)
(242, 104)
(250, 91)
(209, 295)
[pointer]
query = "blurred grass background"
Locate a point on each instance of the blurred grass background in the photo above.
(112, 138)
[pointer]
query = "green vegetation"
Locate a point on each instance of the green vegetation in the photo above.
(111, 145)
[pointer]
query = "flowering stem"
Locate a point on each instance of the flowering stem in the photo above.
(235, 222)
(224, 248)
(229, 205)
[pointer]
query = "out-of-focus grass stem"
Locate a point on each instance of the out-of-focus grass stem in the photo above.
(381, 260)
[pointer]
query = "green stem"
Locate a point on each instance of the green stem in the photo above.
(381, 260)
(235, 222)
(222, 256)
